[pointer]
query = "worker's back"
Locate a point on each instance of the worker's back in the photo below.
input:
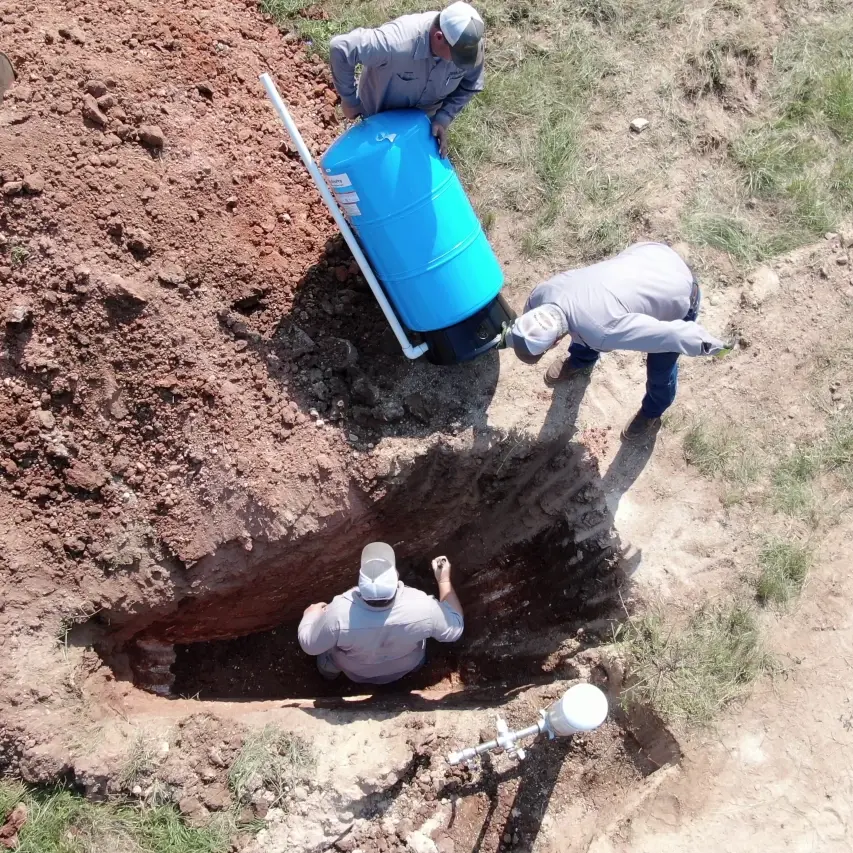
(380, 644)
(646, 278)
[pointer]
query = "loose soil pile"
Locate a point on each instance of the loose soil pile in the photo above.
(194, 384)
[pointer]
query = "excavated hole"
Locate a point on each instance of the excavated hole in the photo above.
(536, 562)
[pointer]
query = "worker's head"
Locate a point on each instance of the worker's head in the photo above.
(377, 578)
(536, 331)
(457, 35)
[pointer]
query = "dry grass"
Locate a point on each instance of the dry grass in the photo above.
(271, 758)
(723, 452)
(690, 673)
(140, 760)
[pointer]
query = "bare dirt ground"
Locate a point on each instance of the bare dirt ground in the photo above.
(200, 419)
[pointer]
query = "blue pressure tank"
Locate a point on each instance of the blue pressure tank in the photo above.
(418, 230)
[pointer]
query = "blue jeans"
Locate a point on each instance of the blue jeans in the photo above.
(661, 371)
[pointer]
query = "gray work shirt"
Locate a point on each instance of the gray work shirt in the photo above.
(377, 645)
(635, 301)
(399, 71)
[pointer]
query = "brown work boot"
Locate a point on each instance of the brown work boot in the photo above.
(560, 371)
(640, 428)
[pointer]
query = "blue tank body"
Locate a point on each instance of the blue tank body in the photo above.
(413, 220)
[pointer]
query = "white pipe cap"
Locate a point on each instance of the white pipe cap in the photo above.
(581, 708)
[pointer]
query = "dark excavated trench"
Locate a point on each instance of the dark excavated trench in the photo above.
(535, 555)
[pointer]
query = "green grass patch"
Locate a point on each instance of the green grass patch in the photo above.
(795, 482)
(793, 487)
(692, 672)
(799, 159)
(720, 452)
(784, 567)
(737, 235)
(273, 758)
(60, 821)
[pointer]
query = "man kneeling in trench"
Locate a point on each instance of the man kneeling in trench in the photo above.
(376, 632)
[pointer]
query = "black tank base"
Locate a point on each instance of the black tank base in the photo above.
(471, 337)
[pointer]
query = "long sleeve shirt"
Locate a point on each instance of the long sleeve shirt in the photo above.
(635, 301)
(378, 645)
(399, 70)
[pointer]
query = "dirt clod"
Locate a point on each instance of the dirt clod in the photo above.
(92, 112)
(34, 183)
(151, 136)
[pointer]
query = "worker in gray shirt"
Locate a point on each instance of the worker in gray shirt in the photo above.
(376, 632)
(430, 61)
(644, 299)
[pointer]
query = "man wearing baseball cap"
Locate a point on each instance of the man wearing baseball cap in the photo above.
(432, 61)
(645, 299)
(376, 632)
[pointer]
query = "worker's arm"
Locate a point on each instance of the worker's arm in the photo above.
(317, 632)
(449, 622)
(363, 46)
(646, 334)
(472, 83)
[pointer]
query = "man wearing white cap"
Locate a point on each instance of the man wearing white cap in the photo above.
(376, 632)
(645, 299)
(429, 61)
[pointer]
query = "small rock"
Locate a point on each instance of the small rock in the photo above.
(204, 89)
(34, 183)
(845, 237)
(842, 260)
(92, 112)
(85, 477)
(390, 411)
(13, 187)
(138, 241)
(417, 842)
(95, 88)
(72, 34)
(19, 317)
(151, 136)
(638, 125)
(124, 291)
(297, 342)
(341, 353)
(74, 545)
(363, 390)
(214, 756)
(106, 103)
(46, 419)
(418, 407)
(325, 463)
(171, 274)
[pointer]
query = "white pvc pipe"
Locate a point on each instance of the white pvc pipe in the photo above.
(286, 119)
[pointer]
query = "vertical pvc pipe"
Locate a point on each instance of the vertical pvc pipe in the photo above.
(326, 194)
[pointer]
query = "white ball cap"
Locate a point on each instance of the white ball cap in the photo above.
(581, 708)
